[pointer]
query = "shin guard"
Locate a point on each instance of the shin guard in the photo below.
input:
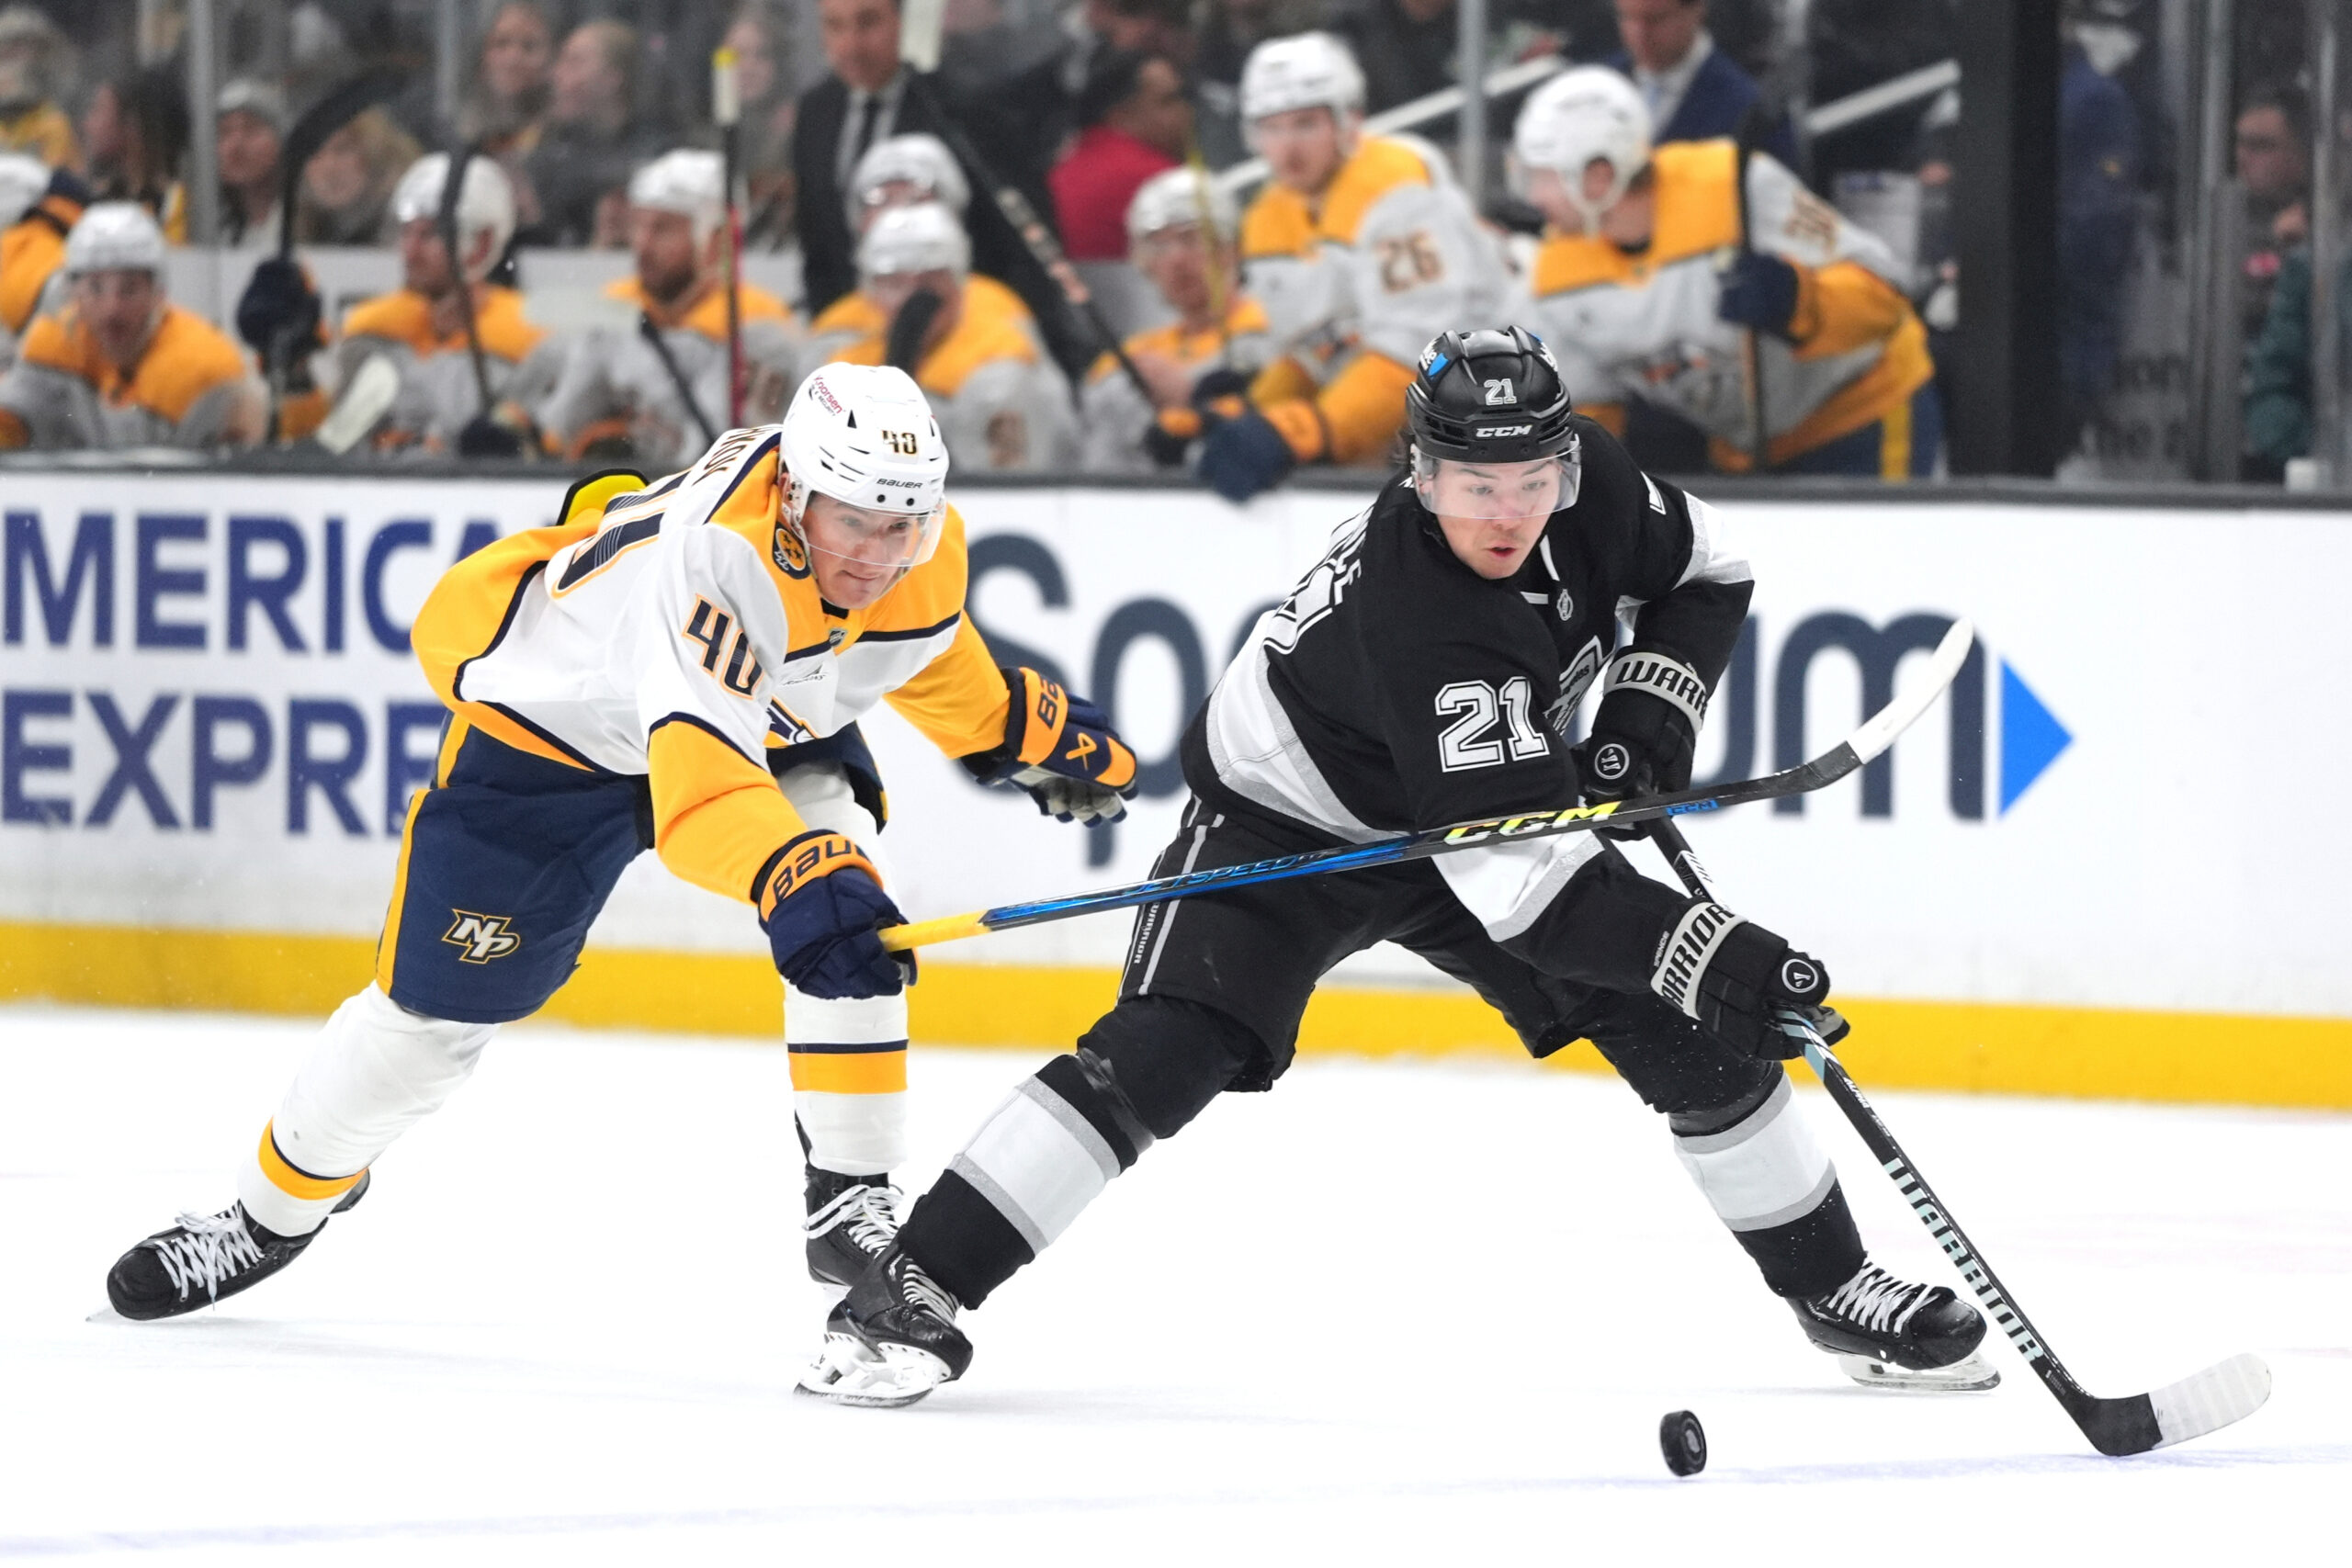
(849, 1079)
(1770, 1182)
(378, 1070)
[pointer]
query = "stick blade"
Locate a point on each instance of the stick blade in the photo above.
(2208, 1401)
(1943, 666)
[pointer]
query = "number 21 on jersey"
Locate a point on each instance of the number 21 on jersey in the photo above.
(1469, 741)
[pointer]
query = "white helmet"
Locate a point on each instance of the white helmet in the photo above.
(1175, 198)
(688, 181)
(922, 238)
(915, 158)
(23, 179)
(1302, 71)
(1583, 114)
(863, 434)
(485, 204)
(115, 235)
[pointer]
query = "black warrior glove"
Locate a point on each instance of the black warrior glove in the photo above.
(1651, 706)
(1734, 977)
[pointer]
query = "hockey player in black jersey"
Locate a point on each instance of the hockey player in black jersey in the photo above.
(1425, 672)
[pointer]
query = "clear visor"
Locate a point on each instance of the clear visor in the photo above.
(867, 545)
(1496, 492)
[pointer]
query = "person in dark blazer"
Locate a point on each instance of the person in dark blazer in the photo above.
(869, 95)
(1694, 90)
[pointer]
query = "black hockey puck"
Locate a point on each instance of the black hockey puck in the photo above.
(1683, 1441)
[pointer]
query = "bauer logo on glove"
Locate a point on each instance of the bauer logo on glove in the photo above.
(1061, 749)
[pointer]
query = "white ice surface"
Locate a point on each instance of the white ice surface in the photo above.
(1424, 1314)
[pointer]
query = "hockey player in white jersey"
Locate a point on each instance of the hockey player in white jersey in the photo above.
(1654, 298)
(677, 666)
(1180, 234)
(655, 391)
(1360, 248)
(1004, 406)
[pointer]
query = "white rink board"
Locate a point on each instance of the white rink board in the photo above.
(2188, 653)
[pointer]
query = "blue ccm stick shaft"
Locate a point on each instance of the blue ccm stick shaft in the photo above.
(1874, 736)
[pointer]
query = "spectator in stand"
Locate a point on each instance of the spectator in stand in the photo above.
(2278, 368)
(121, 366)
(625, 398)
(134, 132)
(764, 80)
(591, 139)
(346, 196)
(2099, 174)
(1135, 122)
(500, 115)
(35, 65)
(1407, 47)
(1693, 89)
(1183, 228)
(33, 247)
(2273, 150)
(249, 135)
(1002, 405)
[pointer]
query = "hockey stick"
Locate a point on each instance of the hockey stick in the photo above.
(1875, 735)
(727, 110)
(652, 336)
(452, 190)
(2225, 1392)
(1754, 126)
(921, 32)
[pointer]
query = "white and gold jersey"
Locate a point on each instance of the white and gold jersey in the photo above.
(1115, 414)
(678, 632)
(438, 395)
(1643, 324)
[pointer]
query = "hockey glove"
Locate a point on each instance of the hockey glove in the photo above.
(1760, 291)
(493, 436)
(1651, 706)
(1734, 977)
(279, 312)
(821, 903)
(1061, 749)
(1243, 455)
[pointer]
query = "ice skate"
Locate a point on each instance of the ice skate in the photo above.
(852, 1222)
(204, 1259)
(890, 1340)
(1887, 1333)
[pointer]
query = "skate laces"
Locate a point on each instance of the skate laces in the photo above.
(919, 1288)
(870, 1213)
(209, 1249)
(1877, 1300)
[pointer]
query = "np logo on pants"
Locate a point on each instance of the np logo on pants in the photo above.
(483, 937)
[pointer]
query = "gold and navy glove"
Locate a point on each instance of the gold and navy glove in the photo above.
(821, 904)
(1061, 749)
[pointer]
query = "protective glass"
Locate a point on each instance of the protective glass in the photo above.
(1498, 491)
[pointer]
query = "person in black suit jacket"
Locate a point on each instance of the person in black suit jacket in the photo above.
(870, 96)
(1695, 91)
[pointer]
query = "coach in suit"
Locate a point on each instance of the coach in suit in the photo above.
(1693, 89)
(869, 95)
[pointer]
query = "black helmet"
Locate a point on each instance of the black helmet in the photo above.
(1492, 395)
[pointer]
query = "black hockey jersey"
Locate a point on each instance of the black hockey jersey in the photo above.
(1395, 689)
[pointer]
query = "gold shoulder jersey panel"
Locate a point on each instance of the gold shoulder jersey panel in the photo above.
(402, 316)
(1378, 167)
(707, 315)
(59, 344)
(1279, 224)
(984, 336)
(186, 359)
(852, 312)
(30, 251)
(1697, 199)
(986, 295)
(504, 331)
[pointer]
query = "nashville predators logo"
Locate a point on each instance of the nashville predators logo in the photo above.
(791, 556)
(483, 937)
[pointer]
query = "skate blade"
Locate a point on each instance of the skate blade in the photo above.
(1971, 1374)
(849, 1371)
